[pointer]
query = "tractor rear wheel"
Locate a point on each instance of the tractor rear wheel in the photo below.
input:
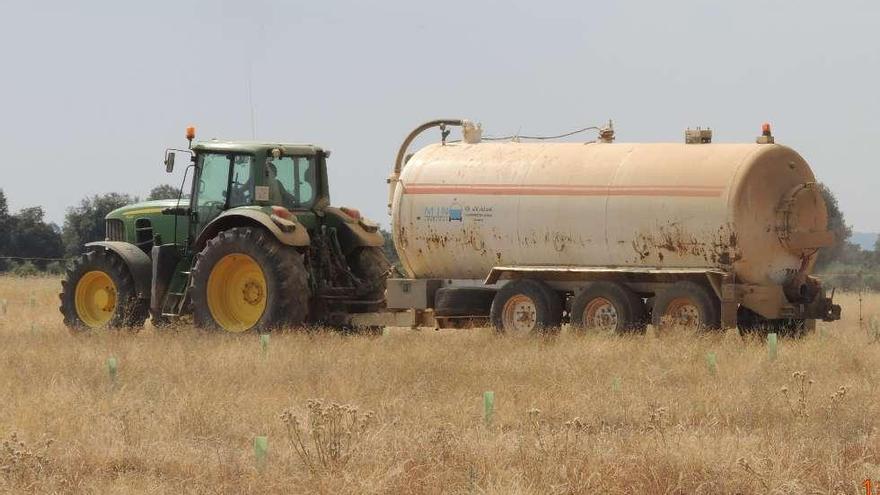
(371, 266)
(99, 291)
(245, 280)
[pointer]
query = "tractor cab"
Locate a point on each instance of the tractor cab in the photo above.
(261, 175)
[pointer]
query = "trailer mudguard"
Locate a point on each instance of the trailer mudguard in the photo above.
(292, 234)
(138, 263)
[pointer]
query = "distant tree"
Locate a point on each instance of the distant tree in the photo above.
(32, 237)
(389, 250)
(5, 230)
(163, 191)
(85, 223)
(875, 255)
(836, 224)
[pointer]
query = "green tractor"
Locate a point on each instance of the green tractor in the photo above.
(255, 246)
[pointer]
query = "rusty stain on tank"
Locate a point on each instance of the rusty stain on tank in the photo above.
(719, 249)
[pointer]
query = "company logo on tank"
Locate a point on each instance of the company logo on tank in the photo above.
(457, 213)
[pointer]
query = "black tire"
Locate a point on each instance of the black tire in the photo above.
(371, 266)
(749, 322)
(287, 286)
(129, 311)
(546, 302)
(698, 297)
(463, 301)
(628, 308)
(159, 321)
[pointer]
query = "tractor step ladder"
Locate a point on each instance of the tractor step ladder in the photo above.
(174, 301)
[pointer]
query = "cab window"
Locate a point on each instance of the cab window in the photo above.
(291, 181)
(242, 190)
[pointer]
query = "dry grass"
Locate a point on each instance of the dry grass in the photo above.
(187, 406)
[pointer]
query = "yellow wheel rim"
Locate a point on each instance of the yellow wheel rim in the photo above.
(95, 298)
(237, 292)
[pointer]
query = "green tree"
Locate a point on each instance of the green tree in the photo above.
(163, 191)
(32, 237)
(85, 223)
(389, 250)
(875, 255)
(5, 230)
(836, 224)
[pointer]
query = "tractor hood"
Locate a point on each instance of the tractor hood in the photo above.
(145, 208)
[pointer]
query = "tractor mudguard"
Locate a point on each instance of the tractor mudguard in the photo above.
(297, 235)
(139, 264)
(354, 233)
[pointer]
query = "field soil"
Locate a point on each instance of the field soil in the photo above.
(406, 412)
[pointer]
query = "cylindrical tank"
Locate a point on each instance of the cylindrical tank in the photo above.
(461, 209)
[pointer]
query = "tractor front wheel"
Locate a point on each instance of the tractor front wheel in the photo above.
(99, 291)
(245, 280)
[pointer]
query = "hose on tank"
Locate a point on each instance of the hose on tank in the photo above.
(401, 153)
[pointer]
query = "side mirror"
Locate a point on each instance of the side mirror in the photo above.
(169, 161)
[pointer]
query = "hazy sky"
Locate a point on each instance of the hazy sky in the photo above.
(93, 92)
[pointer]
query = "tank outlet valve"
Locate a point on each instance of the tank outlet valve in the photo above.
(698, 136)
(766, 136)
(472, 133)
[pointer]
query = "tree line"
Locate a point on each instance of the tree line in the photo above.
(29, 244)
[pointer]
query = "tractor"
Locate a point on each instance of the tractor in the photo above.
(254, 246)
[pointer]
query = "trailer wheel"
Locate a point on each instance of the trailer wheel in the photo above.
(686, 304)
(526, 306)
(99, 291)
(607, 305)
(245, 280)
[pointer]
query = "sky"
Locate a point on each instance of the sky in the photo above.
(91, 93)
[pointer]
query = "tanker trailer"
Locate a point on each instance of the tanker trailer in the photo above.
(608, 235)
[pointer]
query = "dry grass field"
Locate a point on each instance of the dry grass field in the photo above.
(594, 414)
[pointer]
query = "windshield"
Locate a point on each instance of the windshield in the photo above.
(212, 186)
(291, 181)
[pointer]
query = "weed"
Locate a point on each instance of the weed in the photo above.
(329, 436)
(21, 464)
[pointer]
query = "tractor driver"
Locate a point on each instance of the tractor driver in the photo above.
(278, 194)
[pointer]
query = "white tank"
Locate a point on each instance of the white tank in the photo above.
(461, 209)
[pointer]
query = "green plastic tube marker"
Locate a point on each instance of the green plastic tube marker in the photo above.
(772, 349)
(264, 343)
(261, 450)
(488, 406)
(112, 368)
(712, 362)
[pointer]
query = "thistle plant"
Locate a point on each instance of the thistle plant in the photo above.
(328, 436)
